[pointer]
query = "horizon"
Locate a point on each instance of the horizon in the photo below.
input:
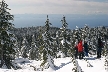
(73, 20)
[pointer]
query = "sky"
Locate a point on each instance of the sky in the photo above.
(58, 6)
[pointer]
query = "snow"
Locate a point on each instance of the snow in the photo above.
(60, 54)
(62, 65)
(22, 60)
(62, 41)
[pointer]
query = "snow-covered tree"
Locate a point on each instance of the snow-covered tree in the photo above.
(58, 44)
(24, 50)
(46, 48)
(76, 67)
(40, 44)
(33, 53)
(7, 39)
(18, 53)
(106, 54)
(65, 44)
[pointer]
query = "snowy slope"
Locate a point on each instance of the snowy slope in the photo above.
(62, 65)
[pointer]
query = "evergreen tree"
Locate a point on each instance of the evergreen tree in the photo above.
(40, 44)
(76, 67)
(106, 54)
(74, 37)
(7, 39)
(33, 53)
(18, 53)
(65, 44)
(24, 48)
(46, 48)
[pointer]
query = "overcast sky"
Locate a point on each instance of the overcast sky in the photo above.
(58, 6)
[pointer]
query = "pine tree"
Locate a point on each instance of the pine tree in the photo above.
(46, 48)
(24, 48)
(33, 53)
(74, 39)
(7, 39)
(76, 67)
(18, 53)
(65, 44)
(40, 44)
(106, 54)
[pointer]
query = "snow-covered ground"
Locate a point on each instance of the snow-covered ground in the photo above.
(62, 65)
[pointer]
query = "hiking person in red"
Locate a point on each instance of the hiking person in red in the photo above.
(80, 49)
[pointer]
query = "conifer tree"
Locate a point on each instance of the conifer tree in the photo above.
(18, 53)
(64, 34)
(106, 54)
(40, 44)
(74, 40)
(46, 48)
(33, 53)
(24, 48)
(7, 39)
(76, 67)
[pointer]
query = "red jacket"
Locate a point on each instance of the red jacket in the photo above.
(80, 47)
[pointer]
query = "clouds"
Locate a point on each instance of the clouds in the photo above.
(58, 6)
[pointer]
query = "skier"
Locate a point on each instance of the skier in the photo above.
(85, 48)
(76, 50)
(99, 48)
(80, 49)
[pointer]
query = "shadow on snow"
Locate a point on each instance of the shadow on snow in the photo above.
(62, 65)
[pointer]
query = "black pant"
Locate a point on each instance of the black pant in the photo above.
(98, 54)
(81, 55)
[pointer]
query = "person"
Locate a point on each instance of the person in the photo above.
(80, 49)
(76, 50)
(85, 48)
(99, 48)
